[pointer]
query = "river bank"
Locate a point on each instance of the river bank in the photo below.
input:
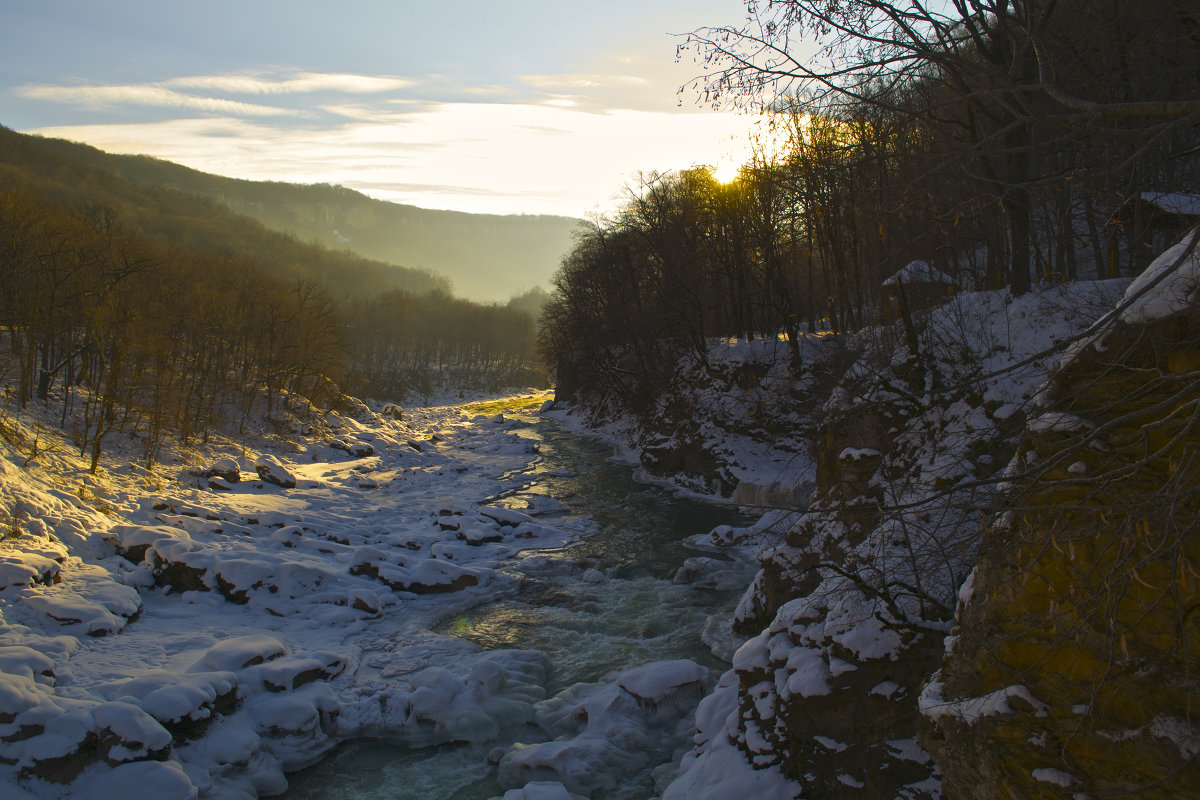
(206, 631)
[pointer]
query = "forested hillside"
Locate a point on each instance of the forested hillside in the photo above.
(485, 258)
(69, 174)
(999, 144)
(143, 309)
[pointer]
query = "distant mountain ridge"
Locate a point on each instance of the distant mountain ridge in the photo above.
(487, 258)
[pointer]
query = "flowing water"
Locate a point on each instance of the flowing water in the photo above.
(605, 603)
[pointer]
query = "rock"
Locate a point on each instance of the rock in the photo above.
(429, 576)
(288, 674)
(354, 447)
(226, 469)
(26, 569)
(1076, 633)
(272, 470)
(127, 733)
(243, 651)
(27, 663)
(505, 516)
(184, 704)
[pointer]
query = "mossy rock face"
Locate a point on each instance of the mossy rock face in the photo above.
(1087, 594)
(865, 431)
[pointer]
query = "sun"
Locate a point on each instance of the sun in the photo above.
(725, 171)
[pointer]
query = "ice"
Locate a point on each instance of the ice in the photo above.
(607, 729)
(469, 699)
(505, 516)
(541, 790)
(161, 780)
(716, 769)
(658, 684)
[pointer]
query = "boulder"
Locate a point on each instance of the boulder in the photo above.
(226, 469)
(272, 470)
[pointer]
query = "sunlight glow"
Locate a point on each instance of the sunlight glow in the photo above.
(497, 158)
(725, 171)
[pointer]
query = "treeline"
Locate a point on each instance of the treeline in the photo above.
(405, 344)
(1004, 143)
(131, 333)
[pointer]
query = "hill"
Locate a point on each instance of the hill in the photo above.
(67, 175)
(486, 257)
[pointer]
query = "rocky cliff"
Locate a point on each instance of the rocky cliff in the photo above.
(857, 589)
(1075, 667)
(992, 586)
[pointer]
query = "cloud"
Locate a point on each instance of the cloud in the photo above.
(478, 157)
(197, 92)
(584, 81)
(154, 95)
(298, 83)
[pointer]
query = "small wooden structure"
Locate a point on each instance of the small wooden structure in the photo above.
(1147, 224)
(916, 286)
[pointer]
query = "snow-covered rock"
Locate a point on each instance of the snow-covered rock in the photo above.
(226, 469)
(272, 470)
(603, 730)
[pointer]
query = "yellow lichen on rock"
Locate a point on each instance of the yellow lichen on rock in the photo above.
(1088, 596)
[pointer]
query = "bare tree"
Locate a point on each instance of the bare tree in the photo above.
(1012, 78)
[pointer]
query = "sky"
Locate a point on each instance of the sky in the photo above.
(488, 106)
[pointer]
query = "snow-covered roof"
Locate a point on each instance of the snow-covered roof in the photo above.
(918, 272)
(1174, 202)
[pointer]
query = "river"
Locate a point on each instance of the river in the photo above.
(604, 602)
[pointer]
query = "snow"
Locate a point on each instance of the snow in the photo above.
(259, 622)
(1175, 202)
(243, 651)
(272, 470)
(1053, 776)
(540, 790)
(1166, 287)
(162, 780)
(918, 272)
(1004, 349)
(716, 769)
(604, 729)
(970, 710)
(1057, 421)
(249, 630)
